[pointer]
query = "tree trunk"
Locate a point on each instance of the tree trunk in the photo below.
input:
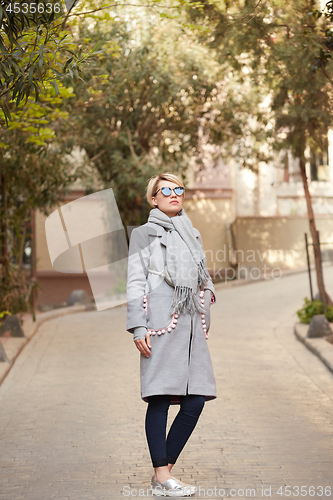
(324, 297)
(4, 250)
(33, 262)
(22, 243)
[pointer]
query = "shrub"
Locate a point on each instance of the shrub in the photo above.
(3, 314)
(310, 308)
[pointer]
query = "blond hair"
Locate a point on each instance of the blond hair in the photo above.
(153, 183)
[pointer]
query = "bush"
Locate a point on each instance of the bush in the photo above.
(310, 308)
(4, 314)
(15, 292)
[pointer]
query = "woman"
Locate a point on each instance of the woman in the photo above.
(169, 292)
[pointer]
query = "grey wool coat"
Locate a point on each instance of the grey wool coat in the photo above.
(180, 361)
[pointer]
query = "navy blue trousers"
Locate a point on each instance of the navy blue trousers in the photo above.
(166, 450)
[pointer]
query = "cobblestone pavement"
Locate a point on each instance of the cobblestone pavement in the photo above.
(72, 420)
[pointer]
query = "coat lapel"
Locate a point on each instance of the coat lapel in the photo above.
(158, 231)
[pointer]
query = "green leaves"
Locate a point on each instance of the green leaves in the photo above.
(138, 104)
(310, 309)
(33, 119)
(324, 51)
(34, 50)
(55, 85)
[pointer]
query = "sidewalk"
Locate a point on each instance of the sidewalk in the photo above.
(319, 346)
(72, 419)
(13, 345)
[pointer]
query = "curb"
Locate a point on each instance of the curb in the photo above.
(13, 346)
(318, 346)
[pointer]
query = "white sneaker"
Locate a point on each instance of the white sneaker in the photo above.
(192, 488)
(170, 488)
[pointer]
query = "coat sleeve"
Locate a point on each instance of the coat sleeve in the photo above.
(138, 260)
(209, 285)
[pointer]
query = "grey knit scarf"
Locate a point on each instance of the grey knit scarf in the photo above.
(185, 259)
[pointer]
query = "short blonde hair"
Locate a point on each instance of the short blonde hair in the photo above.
(153, 183)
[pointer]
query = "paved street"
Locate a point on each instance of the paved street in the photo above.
(72, 420)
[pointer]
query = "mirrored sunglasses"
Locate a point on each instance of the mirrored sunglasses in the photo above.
(167, 191)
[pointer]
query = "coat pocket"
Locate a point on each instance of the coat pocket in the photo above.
(159, 317)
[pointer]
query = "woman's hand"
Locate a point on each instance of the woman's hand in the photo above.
(144, 345)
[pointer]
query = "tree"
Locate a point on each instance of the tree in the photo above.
(276, 43)
(36, 42)
(36, 47)
(35, 173)
(39, 49)
(141, 103)
(325, 42)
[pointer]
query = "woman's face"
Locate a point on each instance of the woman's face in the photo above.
(170, 205)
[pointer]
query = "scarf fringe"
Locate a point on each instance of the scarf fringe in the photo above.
(203, 274)
(192, 272)
(185, 300)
